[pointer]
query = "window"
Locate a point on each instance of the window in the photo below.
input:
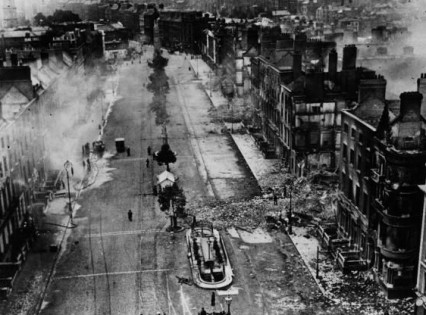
(352, 157)
(314, 137)
(345, 151)
(359, 161)
(360, 138)
(300, 140)
(357, 196)
(346, 128)
(350, 190)
(364, 208)
(353, 133)
(316, 109)
(326, 138)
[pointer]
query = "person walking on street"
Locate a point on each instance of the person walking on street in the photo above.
(147, 162)
(149, 150)
(128, 151)
(203, 311)
(275, 199)
(130, 215)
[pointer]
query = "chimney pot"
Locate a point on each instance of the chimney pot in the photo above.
(410, 101)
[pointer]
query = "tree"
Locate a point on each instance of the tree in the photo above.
(40, 19)
(165, 156)
(172, 195)
(60, 16)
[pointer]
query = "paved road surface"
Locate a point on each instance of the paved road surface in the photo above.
(113, 266)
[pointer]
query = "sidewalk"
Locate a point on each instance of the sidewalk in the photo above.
(259, 166)
(356, 292)
(56, 226)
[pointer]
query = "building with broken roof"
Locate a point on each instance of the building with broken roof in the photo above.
(288, 68)
(380, 206)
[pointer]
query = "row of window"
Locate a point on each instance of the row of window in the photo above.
(353, 133)
(355, 196)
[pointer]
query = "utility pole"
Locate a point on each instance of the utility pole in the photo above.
(68, 165)
(317, 270)
(290, 230)
(232, 117)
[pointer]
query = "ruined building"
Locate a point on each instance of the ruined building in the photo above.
(300, 104)
(380, 206)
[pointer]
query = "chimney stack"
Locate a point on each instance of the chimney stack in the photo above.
(411, 103)
(297, 65)
(374, 87)
(332, 64)
(349, 57)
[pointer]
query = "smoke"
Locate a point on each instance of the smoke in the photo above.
(400, 69)
(81, 103)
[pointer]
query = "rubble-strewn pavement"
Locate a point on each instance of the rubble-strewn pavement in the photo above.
(354, 293)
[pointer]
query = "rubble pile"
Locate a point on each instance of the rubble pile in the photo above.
(310, 196)
(245, 214)
(358, 292)
(235, 111)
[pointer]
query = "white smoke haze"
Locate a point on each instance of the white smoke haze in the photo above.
(77, 118)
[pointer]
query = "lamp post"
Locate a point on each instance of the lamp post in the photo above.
(228, 301)
(210, 82)
(209, 242)
(68, 165)
(290, 213)
(317, 269)
(196, 60)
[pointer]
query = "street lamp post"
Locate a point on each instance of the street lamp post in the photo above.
(68, 165)
(210, 82)
(290, 213)
(232, 117)
(228, 301)
(317, 269)
(196, 60)
(209, 243)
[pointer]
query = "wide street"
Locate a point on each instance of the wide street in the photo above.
(113, 266)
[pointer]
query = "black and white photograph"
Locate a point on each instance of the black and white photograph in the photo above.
(213, 157)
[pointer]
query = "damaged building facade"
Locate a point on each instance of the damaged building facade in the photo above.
(300, 105)
(29, 81)
(380, 205)
(182, 30)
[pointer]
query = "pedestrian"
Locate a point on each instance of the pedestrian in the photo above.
(149, 150)
(128, 151)
(275, 199)
(147, 162)
(130, 215)
(203, 311)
